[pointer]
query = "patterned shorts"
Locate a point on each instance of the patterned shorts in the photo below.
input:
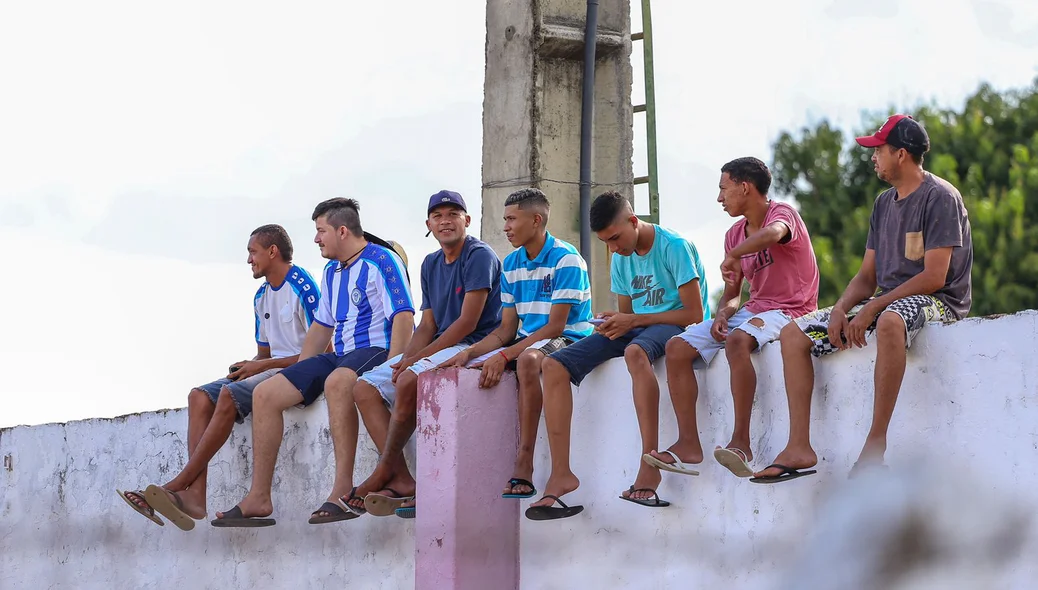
(915, 310)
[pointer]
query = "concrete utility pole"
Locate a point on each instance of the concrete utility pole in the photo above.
(532, 116)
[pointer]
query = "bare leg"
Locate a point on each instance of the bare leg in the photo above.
(344, 426)
(647, 406)
(891, 358)
(738, 348)
(684, 393)
(800, 382)
(392, 471)
(528, 370)
(270, 399)
(558, 416)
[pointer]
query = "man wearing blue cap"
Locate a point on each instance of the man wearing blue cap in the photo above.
(919, 254)
(461, 305)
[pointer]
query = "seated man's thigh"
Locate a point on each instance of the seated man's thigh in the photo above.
(276, 393)
(432, 361)
(653, 340)
(583, 356)
(764, 326)
(916, 311)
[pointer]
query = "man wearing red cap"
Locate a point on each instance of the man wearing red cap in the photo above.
(916, 269)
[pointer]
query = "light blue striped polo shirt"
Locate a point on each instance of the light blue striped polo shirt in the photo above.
(557, 275)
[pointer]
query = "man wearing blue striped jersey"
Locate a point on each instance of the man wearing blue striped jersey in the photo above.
(366, 313)
(284, 307)
(546, 306)
(461, 304)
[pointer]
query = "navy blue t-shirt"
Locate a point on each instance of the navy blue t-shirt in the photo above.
(444, 286)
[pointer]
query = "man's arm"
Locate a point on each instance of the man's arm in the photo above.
(861, 287)
(471, 309)
(403, 331)
(622, 322)
(730, 300)
(557, 316)
(503, 334)
(933, 277)
(766, 237)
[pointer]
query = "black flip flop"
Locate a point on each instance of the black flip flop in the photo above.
(653, 502)
(335, 514)
(234, 518)
(551, 512)
(788, 473)
(353, 496)
(515, 481)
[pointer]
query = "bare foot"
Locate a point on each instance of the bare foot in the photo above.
(188, 503)
(253, 507)
(558, 486)
(741, 446)
(871, 455)
(792, 458)
(649, 478)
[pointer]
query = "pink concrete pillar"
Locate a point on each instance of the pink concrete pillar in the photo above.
(466, 535)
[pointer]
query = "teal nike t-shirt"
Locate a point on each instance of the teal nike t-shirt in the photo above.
(652, 281)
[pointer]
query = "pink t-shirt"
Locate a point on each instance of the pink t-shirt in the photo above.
(783, 276)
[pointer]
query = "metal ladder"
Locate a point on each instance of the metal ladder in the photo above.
(649, 108)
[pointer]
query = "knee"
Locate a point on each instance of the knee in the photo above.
(225, 403)
(794, 340)
(890, 328)
(528, 365)
(339, 384)
(264, 395)
(365, 392)
(551, 367)
(198, 396)
(739, 345)
(407, 386)
(636, 359)
(678, 350)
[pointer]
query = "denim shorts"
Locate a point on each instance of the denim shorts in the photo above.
(308, 375)
(241, 391)
(583, 356)
(698, 335)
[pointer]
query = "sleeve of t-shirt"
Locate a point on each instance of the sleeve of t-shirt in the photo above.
(261, 332)
(396, 292)
(324, 306)
(507, 291)
(309, 300)
(787, 216)
(426, 280)
(678, 259)
(571, 280)
(619, 283)
(943, 219)
(480, 269)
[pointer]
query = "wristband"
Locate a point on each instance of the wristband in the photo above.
(502, 353)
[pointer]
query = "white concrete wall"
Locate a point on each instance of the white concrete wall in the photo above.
(62, 525)
(969, 401)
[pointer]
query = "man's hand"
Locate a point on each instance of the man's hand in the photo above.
(402, 365)
(719, 329)
(246, 369)
(838, 326)
(459, 360)
(615, 324)
(731, 270)
(491, 371)
(860, 323)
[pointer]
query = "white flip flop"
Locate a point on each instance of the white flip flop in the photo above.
(676, 467)
(734, 460)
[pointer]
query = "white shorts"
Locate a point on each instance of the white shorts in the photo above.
(381, 377)
(698, 335)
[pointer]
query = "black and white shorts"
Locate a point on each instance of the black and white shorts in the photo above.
(915, 310)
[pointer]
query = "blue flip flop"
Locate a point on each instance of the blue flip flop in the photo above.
(515, 481)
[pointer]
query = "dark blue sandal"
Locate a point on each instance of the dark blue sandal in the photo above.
(788, 473)
(653, 502)
(515, 481)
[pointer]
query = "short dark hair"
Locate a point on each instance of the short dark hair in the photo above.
(529, 198)
(606, 208)
(751, 170)
(340, 212)
(273, 234)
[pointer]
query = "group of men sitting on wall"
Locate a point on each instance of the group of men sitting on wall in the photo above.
(354, 339)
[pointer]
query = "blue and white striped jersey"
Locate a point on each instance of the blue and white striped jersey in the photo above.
(361, 300)
(284, 314)
(557, 275)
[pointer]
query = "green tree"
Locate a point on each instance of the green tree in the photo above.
(988, 149)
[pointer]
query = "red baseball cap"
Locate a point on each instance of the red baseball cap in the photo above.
(899, 131)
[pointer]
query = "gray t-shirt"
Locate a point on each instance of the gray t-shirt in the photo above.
(902, 230)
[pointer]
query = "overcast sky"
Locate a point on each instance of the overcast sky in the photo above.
(140, 144)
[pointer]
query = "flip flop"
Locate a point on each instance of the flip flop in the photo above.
(653, 502)
(551, 512)
(405, 512)
(787, 474)
(346, 503)
(734, 460)
(515, 481)
(382, 504)
(234, 518)
(676, 467)
(335, 514)
(148, 512)
(171, 509)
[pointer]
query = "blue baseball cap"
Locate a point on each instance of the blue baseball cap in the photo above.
(446, 198)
